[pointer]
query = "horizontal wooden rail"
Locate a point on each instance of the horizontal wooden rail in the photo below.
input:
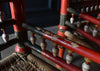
(90, 19)
(85, 16)
(56, 60)
(81, 50)
(86, 34)
(89, 36)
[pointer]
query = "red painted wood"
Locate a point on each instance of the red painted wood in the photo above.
(60, 62)
(90, 19)
(64, 6)
(62, 27)
(89, 36)
(18, 14)
(81, 50)
(21, 50)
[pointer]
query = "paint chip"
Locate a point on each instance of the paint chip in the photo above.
(74, 45)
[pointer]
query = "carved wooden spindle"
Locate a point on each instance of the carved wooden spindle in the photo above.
(43, 44)
(86, 65)
(32, 38)
(55, 50)
(69, 57)
(86, 27)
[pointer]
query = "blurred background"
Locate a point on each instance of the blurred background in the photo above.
(39, 11)
(42, 13)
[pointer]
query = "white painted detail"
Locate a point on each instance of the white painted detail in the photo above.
(91, 8)
(85, 67)
(87, 9)
(74, 45)
(69, 59)
(0, 19)
(82, 10)
(99, 6)
(85, 28)
(94, 33)
(71, 20)
(96, 7)
(5, 37)
(43, 46)
(32, 40)
(54, 52)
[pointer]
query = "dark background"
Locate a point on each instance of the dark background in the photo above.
(41, 13)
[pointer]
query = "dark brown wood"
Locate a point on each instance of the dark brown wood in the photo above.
(6, 62)
(40, 63)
